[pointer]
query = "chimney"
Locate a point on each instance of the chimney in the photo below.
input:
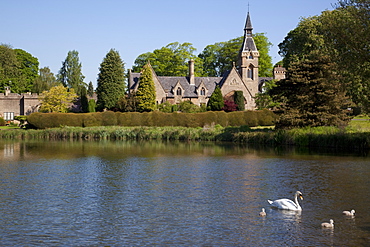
(191, 72)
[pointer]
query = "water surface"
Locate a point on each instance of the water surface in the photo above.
(177, 194)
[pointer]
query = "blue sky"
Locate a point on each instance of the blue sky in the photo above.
(48, 29)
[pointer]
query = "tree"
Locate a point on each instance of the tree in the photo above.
(264, 100)
(219, 57)
(171, 60)
(314, 95)
(18, 69)
(111, 81)
(92, 105)
(239, 100)
(84, 100)
(216, 101)
(57, 99)
(70, 74)
(44, 81)
(342, 35)
(28, 68)
(145, 94)
(9, 65)
(90, 89)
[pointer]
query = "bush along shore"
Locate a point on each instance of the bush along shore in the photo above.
(326, 137)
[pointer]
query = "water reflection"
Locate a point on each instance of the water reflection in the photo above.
(170, 194)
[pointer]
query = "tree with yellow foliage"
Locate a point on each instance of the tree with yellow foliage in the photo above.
(57, 99)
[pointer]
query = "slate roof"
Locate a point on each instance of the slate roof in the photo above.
(169, 82)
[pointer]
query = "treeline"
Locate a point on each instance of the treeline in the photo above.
(155, 118)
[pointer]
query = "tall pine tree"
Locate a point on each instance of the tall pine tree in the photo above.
(312, 94)
(145, 95)
(111, 81)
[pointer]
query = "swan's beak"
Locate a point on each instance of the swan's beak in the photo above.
(301, 197)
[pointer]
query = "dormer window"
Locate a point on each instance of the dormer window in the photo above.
(202, 91)
(178, 91)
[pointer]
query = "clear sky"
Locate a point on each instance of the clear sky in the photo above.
(48, 29)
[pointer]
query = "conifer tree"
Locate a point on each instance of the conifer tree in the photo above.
(70, 74)
(216, 101)
(145, 95)
(312, 94)
(111, 81)
(90, 89)
(239, 100)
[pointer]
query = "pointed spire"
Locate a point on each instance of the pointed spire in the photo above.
(248, 26)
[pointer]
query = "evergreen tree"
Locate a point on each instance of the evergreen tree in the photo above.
(312, 94)
(90, 89)
(239, 100)
(145, 94)
(111, 81)
(84, 100)
(70, 74)
(92, 105)
(216, 101)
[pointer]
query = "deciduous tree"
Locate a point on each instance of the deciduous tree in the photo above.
(57, 99)
(44, 81)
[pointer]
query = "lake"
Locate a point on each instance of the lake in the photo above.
(178, 194)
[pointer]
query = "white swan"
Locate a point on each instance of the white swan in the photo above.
(328, 225)
(349, 213)
(263, 213)
(288, 204)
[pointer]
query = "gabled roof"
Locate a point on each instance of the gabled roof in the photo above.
(190, 91)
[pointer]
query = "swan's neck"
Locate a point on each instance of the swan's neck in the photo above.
(296, 202)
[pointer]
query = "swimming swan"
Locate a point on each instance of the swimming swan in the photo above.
(328, 225)
(349, 213)
(288, 204)
(263, 213)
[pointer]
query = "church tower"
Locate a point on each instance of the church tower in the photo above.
(248, 59)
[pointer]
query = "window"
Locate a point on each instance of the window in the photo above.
(8, 116)
(203, 91)
(250, 72)
(178, 91)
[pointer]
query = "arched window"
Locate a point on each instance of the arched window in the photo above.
(203, 91)
(250, 72)
(178, 91)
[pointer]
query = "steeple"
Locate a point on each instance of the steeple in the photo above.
(248, 58)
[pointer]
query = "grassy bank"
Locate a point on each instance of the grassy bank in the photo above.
(355, 137)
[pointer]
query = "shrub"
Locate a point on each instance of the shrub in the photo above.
(2, 122)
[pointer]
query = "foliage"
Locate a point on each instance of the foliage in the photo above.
(91, 106)
(44, 81)
(313, 93)
(239, 100)
(171, 60)
(84, 100)
(229, 106)
(155, 118)
(128, 103)
(219, 57)
(216, 101)
(165, 107)
(90, 89)
(188, 107)
(2, 121)
(264, 100)
(145, 94)
(342, 35)
(70, 74)
(18, 69)
(111, 81)
(57, 99)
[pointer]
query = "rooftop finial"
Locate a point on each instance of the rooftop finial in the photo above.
(248, 7)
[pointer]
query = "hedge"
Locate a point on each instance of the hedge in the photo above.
(156, 118)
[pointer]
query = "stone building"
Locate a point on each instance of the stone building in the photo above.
(243, 77)
(13, 104)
